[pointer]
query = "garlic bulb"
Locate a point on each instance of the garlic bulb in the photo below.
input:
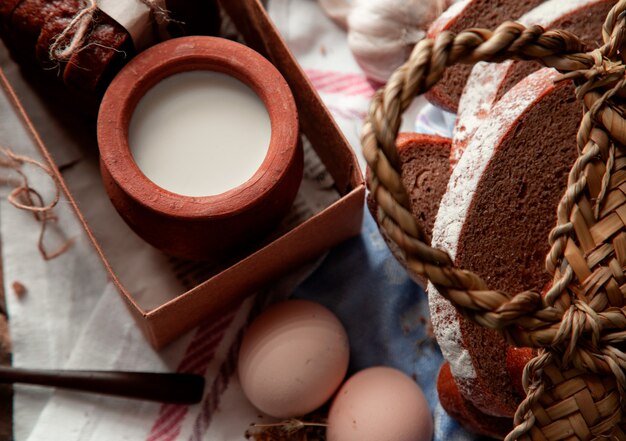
(338, 10)
(381, 33)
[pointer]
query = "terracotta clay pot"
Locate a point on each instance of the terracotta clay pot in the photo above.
(208, 226)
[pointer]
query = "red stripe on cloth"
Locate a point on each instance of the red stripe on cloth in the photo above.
(212, 399)
(317, 74)
(170, 411)
(364, 89)
(208, 328)
(220, 383)
(203, 343)
(199, 364)
(346, 113)
(333, 80)
(168, 423)
(349, 88)
(341, 83)
(198, 355)
(201, 350)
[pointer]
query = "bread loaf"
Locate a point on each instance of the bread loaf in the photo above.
(494, 219)
(30, 27)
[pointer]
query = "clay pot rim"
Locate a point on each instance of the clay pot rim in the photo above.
(182, 55)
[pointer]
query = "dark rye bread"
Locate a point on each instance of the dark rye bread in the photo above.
(31, 26)
(516, 360)
(489, 82)
(6, 12)
(462, 410)
(6, 9)
(49, 30)
(106, 49)
(494, 219)
(425, 172)
(473, 13)
(585, 21)
(27, 20)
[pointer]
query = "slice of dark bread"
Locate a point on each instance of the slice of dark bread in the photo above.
(584, 18)
(489, 82)
(462, 409)
(494, 219)
(425, 173)
(468, 14)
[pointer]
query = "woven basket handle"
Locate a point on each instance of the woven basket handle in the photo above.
(513, 315)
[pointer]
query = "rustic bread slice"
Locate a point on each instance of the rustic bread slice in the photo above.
(473, 13)
(494, 219)
(425, 173)
(488, 82)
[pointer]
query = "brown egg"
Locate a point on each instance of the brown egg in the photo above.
(380, 403)
(293, 358)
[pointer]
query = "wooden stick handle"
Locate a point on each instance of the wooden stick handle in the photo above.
(163, 387)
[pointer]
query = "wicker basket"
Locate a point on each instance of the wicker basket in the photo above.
(576, 385)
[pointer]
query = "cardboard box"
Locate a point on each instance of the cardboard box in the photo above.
(334, 223)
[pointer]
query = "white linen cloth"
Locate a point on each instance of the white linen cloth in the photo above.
(72, 317)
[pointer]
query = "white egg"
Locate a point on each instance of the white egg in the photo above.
(293, 358)
(380, 404)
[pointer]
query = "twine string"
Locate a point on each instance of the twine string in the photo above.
(532, 380)
(71, 39)
(25, 197)
(161, 14)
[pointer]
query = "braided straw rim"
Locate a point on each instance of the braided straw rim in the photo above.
(569, 326)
